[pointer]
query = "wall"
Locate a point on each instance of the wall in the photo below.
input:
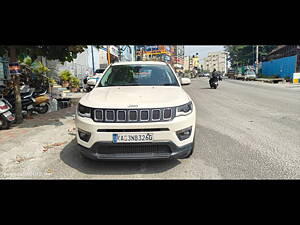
(283, 67)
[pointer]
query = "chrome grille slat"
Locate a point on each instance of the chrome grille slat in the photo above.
(126, 116)
(106, 117)
(118, 119)
(129, 115)
(148, 112)
(152, 118)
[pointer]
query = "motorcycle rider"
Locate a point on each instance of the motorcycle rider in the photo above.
(214, 76)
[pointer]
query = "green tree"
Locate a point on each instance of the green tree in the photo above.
(246, 54)
(62, 53)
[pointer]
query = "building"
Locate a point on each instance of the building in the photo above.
(186, 63)
(195, 61)
(85, 62)
(216, 60)
(283, 61)
(178, 58)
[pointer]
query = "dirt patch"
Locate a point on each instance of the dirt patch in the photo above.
(47, 147)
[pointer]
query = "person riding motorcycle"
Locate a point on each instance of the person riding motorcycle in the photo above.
(214, 76)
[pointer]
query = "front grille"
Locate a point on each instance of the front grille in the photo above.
(133, 149)
(133, 115)
(121, 115)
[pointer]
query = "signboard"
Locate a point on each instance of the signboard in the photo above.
(296, 78)
(114, 50)
(1, 71)
(14, 68)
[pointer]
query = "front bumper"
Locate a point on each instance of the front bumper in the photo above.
(174, 152)
(165, 137)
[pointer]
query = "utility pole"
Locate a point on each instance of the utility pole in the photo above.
(256, 59)
(93, 59)
(108, 55)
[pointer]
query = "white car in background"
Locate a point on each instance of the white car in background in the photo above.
(249, 75)
(138, 110)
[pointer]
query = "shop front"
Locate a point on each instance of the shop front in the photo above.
(4, 74)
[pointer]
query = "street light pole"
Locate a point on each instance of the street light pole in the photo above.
(93, 59)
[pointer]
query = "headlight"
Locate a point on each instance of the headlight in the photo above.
(185, 109)
(84, 111)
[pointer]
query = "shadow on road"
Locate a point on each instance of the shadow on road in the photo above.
(72, 157)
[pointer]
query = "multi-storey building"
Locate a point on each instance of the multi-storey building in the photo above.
(215, 60)
(178, 57)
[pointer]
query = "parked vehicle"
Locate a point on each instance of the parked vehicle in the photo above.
(27, 101)
(249, 75)
(99, 72)
(6, 116)
(137, 111)
(231, 74)
(41, 102)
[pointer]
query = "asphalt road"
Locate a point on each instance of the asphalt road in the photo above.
(244, 130)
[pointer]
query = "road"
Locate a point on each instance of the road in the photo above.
(244, 130)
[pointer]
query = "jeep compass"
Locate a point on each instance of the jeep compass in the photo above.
(138, 110)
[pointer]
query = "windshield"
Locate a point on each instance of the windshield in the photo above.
(138, 75)
(250, 73)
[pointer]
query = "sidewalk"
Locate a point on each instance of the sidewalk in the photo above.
(35, 141)
(38, 121)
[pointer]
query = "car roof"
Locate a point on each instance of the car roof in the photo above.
(139, 63)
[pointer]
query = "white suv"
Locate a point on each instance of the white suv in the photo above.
(138, 110)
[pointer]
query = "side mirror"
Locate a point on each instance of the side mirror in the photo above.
(185, 81)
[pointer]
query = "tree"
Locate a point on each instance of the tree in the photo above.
(246, 54)
(62, 53)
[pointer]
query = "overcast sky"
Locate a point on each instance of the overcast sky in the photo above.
(202, 50)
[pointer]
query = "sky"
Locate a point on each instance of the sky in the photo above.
(202, 50)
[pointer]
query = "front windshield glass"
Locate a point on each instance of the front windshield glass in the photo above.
(250, 73)
(138, 75)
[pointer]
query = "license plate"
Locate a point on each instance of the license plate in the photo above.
(129, 138)
(30, 107)
(9, 116)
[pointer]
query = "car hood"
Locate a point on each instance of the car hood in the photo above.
(135, 97)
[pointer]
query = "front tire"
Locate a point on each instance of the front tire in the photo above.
(43, 109)
(5, 123)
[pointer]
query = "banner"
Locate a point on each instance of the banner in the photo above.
(14, 68)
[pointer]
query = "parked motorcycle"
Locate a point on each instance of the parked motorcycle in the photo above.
(27, 101)
(6, 116)
(41, 102)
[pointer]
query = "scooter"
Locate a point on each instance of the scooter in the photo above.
(214, 82)
(41, 102)
(6, 116)
(27, 101)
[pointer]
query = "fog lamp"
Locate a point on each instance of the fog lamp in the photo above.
(84, 135)
(184, 134)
